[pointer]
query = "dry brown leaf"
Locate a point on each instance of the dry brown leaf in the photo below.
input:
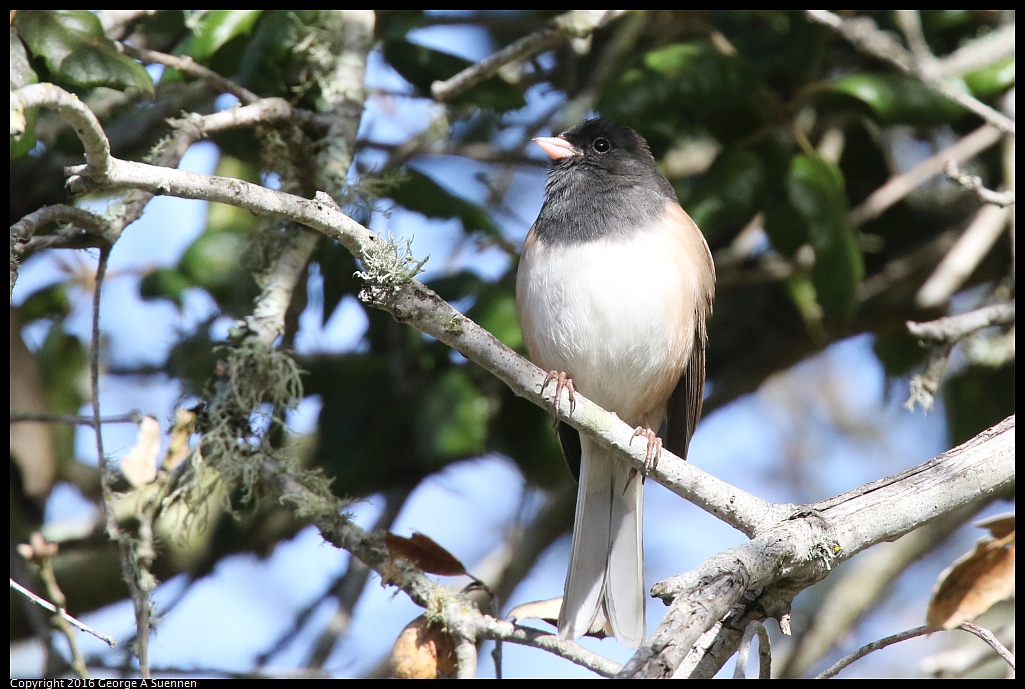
(423, 651)
(425, 554)
(31, 444)
(975, 581)
(999, 526)
(140, 464)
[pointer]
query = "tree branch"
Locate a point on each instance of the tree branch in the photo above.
(87, 127)
(899, 186)
(864, 35)
(796, 551)
(19, 417)
(186, 65)
(573, 24)
(964, 256)
(414, 303)
(802, 550)
(983, 634)
(974, 184)
(952, 329)
(47, 605)
(863, 584)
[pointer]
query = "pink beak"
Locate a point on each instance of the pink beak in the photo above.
(556, 147)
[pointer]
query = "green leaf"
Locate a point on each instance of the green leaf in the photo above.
(420, 193)
(337, 270)
(897, 350)
(72, 44)
(684, 84)
(525, 433)
(890, 98)
(786, 228)
(216, 28)
(451, 417)
(702, 75)
(815, 189)
(422, 66)
(456, 286)
(22, 74)
(731, 191)
(165, 283)
(495, 311)
(270, 63)
(977, 398)
(215, 262)
(991, 80)
(48, 302)
(63, 365)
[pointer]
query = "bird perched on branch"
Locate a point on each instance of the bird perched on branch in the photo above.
(613, 290)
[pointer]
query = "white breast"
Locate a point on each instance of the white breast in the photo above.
(617, 316)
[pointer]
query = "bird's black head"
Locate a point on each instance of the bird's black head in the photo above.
(604, 182)
(610, 145)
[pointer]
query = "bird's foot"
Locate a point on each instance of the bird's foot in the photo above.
(562, 382)
(654, 448)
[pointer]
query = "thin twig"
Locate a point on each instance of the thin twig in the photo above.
(963, 257)
(186, 65)
(496, 657)
(910, 24)
(744, 652)
(140, 598)
(980, 52)
(740, 669)
(89, 222)
(764, 653)
(973, 183)
(899, 186)
(109, 640)
(25, 416)
(951, 329)
(466, 658)
(349, 587)
(87, 127)
(863, 33)
(990, 639)
(41, 553)
(869, 648)
(969, 627)
(573, 24)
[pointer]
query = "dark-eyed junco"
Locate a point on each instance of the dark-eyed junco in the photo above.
(613, 290)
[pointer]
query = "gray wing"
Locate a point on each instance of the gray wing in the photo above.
(685, 404)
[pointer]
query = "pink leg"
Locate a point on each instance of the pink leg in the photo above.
(562, 382)
(654, 450)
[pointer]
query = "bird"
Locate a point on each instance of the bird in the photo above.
(613, 290)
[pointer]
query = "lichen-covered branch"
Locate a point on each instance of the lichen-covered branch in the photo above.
(802, 550)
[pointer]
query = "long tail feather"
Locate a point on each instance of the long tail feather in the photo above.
(605, 582)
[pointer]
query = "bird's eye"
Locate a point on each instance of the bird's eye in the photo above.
(601, 145)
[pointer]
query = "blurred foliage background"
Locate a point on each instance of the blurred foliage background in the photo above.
(776, 132)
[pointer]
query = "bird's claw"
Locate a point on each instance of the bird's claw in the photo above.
(562, 382)
(654, 450)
